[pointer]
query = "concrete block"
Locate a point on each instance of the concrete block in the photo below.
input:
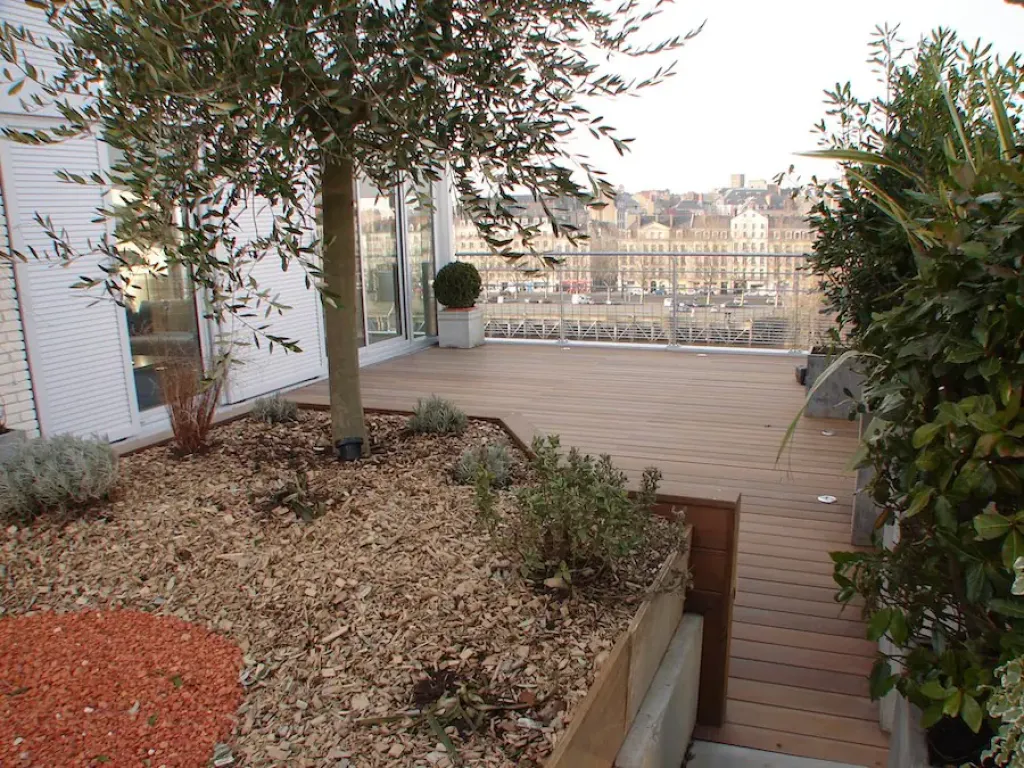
(830, 401)
(460, 328)
(709, 755)
(908, 747)
(661, 732)
(865, 511)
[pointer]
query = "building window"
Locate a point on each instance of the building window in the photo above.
(420, 242)
(378, 254)
(163, 330)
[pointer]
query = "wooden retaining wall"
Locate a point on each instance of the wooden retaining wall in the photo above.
(602, 720)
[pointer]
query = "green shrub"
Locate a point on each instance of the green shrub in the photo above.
(437, 416)
(457, 285)
(1006, 704)
(275, 410)
(579, 513)
(55, 475)
(944, 364)
(492, 458)
(861, 255)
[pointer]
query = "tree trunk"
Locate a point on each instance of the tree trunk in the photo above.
(341, 322)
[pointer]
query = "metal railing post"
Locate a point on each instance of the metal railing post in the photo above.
(561, 307)
(673, 340)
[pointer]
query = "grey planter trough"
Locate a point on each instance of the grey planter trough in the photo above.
(908, 747)
(830, 401)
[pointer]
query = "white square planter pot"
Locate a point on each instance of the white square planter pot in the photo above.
(460, 328)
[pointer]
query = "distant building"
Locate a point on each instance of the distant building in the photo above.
(729, 241)
(737, 181)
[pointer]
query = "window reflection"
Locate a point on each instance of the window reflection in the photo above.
(378, 250)
(162, 328)
(420, 242)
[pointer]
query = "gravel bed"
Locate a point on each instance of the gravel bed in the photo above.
(91, 688)
(395, 594)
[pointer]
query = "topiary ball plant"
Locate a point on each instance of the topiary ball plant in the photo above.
(457, 285)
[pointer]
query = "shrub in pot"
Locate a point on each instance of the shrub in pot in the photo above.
(461, 323)
(944, 366)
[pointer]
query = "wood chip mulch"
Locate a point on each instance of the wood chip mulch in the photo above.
(394, 595)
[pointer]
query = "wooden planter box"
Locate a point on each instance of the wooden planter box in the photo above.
(713, 519)
(600, 724)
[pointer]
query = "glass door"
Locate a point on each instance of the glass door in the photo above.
(419, 252)
(380, 268)
(396, 254)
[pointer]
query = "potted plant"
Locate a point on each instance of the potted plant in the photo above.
(461, 323)
(9, 438)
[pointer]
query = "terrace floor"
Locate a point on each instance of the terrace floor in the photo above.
(798, 672)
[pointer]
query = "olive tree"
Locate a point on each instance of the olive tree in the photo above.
(212, 105)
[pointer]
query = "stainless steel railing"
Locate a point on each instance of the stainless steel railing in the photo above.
(735, 299)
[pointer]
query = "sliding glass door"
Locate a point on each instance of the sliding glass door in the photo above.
(380, 267)
(419, 250)
(396, 253)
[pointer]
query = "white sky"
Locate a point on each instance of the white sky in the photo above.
(749, 87)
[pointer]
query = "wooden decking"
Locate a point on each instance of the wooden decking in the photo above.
(713, 423)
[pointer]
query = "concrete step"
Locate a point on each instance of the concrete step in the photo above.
(709, 755)
(664, 725)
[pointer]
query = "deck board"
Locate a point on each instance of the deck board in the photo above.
(712, 423)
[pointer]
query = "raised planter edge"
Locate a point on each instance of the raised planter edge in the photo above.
(601, 721)
(830, 401)
(908, 743)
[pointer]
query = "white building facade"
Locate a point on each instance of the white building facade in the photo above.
(73, 361)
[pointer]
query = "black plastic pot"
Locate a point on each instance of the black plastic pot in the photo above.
(951, 742)
(350, 449)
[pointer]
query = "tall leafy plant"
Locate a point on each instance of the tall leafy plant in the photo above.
(861, 255)
(945, 371)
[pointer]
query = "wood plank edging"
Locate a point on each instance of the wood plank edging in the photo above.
(600, 724)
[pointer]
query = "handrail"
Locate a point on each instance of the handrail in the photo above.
(669, 298)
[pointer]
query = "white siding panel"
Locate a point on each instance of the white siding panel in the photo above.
(77, 341)
(261, 370)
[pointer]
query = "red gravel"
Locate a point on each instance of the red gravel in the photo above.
(114, 688)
